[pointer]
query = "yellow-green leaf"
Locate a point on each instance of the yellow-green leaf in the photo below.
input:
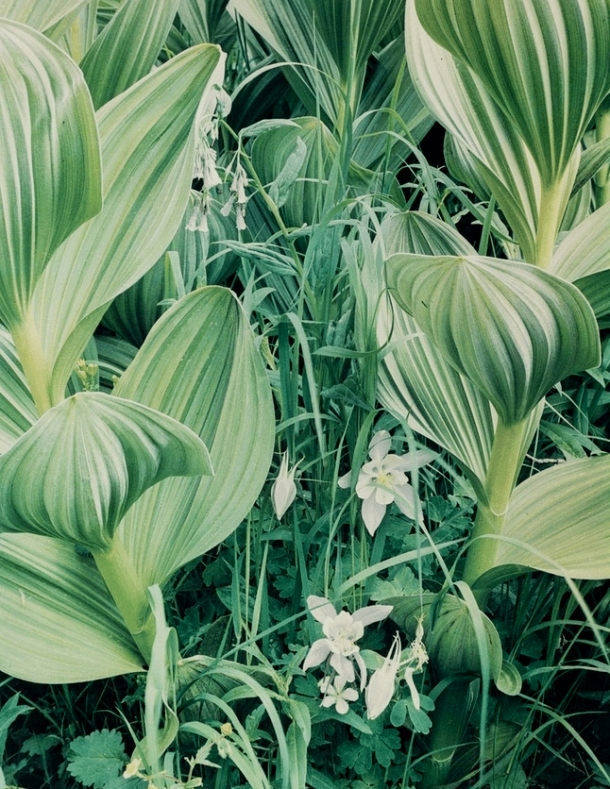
(200, 364)
(41, 16)
(50, 177)
(558, 521)
(91, 457)
(511, 328)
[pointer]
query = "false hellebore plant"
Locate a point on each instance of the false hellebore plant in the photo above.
(477, 341)
(103, 495)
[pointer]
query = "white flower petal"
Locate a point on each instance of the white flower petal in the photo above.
(361, 668)
(364, 487)
(412, 688)
(318, 653)
(341, 706)
(384, 496)
(328, 701)
(380, 445)
(343, 667)
(350, 694)
(372, 514)
(418, 459)
(405, 500)
(371, 613)
(345, 481)
(320, 608)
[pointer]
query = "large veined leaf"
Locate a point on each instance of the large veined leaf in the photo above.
(58, 623)
(200, 365)
(128, 47)
(40, 16)
(50, 180)
(512, 329)
(459, 100)
(92, 457)
(415, 381)
(559, 521)
(585, 250)
(17, 410)
(545, 62)
(147, 151)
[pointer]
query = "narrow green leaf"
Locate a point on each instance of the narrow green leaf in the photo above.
(40, 16)
(58, 622)
(200, 365)
(592, 160)
(201, 18)
(50, 180)
(127, 47)
(545, 62)
(147, 148)
(511, 328)
(557, 521)
(92, 457)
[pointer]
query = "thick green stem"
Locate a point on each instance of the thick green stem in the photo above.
(35, 366)
(504, 464)
(602, 132)
(129, 594)
(552, 207)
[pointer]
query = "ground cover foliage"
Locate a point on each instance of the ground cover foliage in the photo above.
(304, 393)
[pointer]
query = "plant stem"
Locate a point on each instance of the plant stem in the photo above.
(129, 594)
(35, 366)
(552, 206)
(602, 132)
(504, 464)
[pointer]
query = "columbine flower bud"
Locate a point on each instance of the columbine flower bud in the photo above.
(380, 689)
(284, 489)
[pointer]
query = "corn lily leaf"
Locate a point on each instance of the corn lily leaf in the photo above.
(511, 328)
(58, 622)
(41, 16)
(415, 381)
(544, 62)
(17, 409)
(127, 47)
(200, 365)
(459, 100)
(147, 151)
(585, 250)
(92, 456)
(49, 159)
(592, 160)
(596, 289)
(557, 521)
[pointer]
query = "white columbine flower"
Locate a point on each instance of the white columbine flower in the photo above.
(383, 480)
(336, 694)
(341, 631)
(381, 686)
(284, 490)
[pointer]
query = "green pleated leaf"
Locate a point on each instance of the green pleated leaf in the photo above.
(50, 179)
(58, 622)
(585, 250)
(92, 457)
(40, 16)
(415, 381)
(596, 289)
(147, 151)
(545, 62)
(459, 100)
(201, 18)
(592, 160)
(200, 365)
(463, 166)
(128, 47)
(17, 410)
(559, 521)
(511, 328)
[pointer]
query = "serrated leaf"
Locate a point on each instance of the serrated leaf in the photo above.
(557, 521)
(512, 329)
(128, 47)
(147, 151)
(200, 365)
(55, 602)
(50, 160)
(545, 62)
(92, 457)
(97, 758)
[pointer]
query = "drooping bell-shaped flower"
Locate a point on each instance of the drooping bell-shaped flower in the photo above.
(380, 689)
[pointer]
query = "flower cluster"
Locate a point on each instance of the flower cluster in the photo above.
(383, 480)
(341, 631)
